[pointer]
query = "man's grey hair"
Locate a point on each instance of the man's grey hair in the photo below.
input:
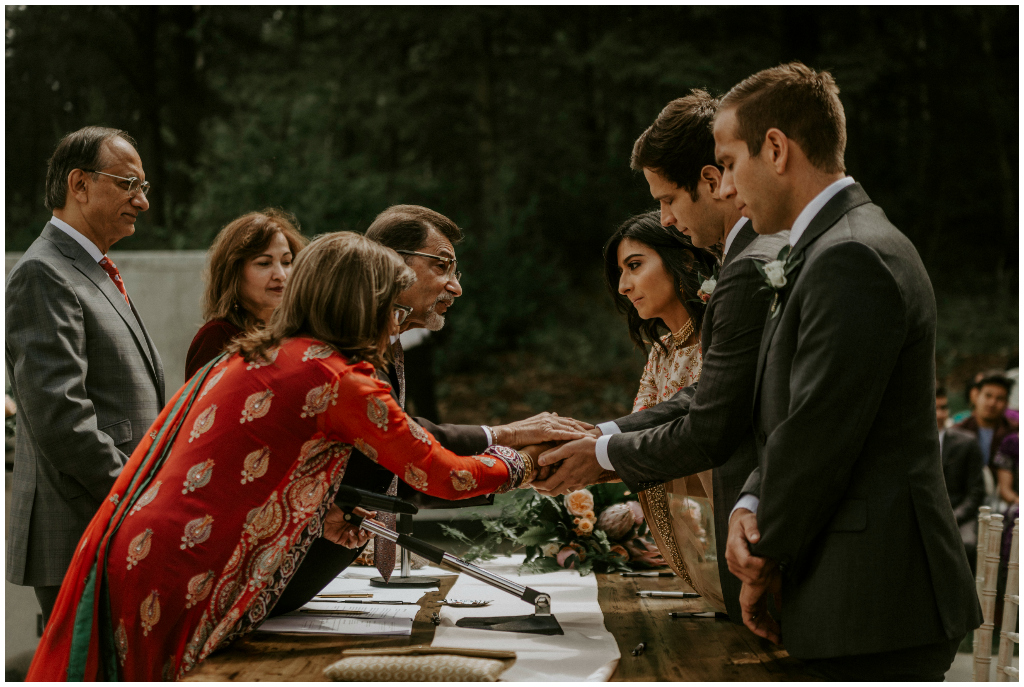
(80, 149)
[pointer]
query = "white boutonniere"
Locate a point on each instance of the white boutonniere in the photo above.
(776, 274)
(707, 286)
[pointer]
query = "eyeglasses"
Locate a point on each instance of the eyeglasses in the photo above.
(401, 313)
(135, 184)
(451, 265)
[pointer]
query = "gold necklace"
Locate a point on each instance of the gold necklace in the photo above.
(684, 334)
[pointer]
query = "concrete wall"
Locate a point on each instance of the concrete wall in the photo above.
(167, 288)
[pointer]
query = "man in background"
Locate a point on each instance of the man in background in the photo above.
(86, 377)
(988, 422)
(962, 467)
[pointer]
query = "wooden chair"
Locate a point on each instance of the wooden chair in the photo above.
(984, 513)
(990, 532)
(1011, 613)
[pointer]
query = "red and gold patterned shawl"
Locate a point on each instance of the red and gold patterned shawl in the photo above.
(217, 507)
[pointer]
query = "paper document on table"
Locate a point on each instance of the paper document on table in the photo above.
(587, 651)
(346, 585)
(407, 611)
(339, 625)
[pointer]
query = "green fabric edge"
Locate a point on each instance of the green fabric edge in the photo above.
(82, 633)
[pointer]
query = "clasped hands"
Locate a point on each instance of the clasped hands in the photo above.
(568, 463)
(551, 439)
(758, 575)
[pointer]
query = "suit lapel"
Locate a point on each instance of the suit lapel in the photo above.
(841, 203)
(847, 199)
(743, 239)
(84, 263)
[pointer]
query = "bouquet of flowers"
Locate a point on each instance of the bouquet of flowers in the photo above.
(599, 529)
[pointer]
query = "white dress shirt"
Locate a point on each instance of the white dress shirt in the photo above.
(731, 236)
(94, 252)
(812, 209)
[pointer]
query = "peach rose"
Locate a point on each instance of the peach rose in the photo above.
(585, 527)
(579, 502)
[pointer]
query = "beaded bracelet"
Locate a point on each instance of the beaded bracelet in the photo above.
(513, 460)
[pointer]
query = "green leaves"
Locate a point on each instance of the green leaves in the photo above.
(539, 534)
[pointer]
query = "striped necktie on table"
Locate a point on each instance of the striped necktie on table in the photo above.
(115, 276)
(384, 549)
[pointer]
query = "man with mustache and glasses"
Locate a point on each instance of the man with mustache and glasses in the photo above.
(426, 240)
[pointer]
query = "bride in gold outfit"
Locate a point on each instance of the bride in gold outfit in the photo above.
(655, 274)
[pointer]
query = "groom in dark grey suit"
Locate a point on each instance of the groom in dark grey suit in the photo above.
(86, 376)
(853, 528)
(706, 427)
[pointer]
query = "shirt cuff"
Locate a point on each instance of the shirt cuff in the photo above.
(748, 501)
(608, 428)
(487, 433)
(601, 450)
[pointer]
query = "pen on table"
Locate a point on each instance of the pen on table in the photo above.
(639, 648)
(344, 596)
(379, 602)
(648, 574)
(702, 614)
(669, 595)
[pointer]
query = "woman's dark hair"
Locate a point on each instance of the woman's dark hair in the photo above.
(686, 264)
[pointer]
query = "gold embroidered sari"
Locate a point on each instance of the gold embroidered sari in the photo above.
(680, 513)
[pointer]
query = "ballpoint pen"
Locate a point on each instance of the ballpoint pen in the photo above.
(669, 595)
(648, 574)
(380, 602)
(702, 614)
(344, 596)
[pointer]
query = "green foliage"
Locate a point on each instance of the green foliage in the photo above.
(518, 123)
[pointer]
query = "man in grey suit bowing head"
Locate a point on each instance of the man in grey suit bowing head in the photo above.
(846, 516)
(85, 374)
(706, 427)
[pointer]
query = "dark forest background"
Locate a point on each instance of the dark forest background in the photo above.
(518, 123)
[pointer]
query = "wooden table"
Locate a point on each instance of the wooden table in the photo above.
(677, 649)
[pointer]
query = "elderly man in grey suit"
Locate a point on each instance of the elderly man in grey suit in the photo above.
(846, 518)
(85, 374)
(706, 427)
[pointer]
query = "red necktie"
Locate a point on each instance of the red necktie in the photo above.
(384, 549)
(111, 269)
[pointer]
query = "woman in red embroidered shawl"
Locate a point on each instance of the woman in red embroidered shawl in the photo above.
(218, 505)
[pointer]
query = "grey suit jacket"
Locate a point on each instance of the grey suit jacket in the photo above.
(962, 468)
(852, 500)
(708, 425)
(88, 383)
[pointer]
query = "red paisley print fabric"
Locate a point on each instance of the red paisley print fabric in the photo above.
(258, 456)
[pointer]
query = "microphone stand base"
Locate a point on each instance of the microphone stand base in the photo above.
(532, 624)
(410, 582)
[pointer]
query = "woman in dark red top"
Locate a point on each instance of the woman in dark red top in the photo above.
(250, 261)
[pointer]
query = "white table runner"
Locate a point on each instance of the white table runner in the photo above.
(587, 651)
